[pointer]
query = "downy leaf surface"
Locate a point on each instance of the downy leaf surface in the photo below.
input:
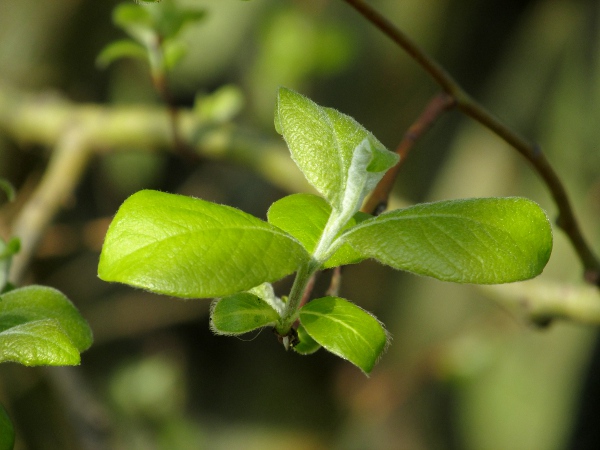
(345, 330)
(40, 326)
(337, 155)
(304, 216)
(186, 247)
(481, 240)
(240, 313)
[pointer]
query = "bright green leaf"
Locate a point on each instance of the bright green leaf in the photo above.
(38, 343)
(304, 216)
(186, 247)
(346, 330)
(124, 48)
(31, 304)
(483, 241)
(241, 313)
(7, 432)
(339, 157)
(306, 344)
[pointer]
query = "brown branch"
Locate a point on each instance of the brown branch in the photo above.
(378, 200)
(566, 218)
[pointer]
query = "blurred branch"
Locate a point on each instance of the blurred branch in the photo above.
(541, 302)
(378, 200)
(68, 162)
(566, 217)
(43, 119)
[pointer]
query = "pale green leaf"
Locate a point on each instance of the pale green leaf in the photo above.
(8, 189)
(240, 313)
(124, 48)
(306, 345)
(186, 247)
(345, 330)
(38, 343)
(483, 241)
(7, 432)
(32, 304)
(338, 156)
(304, 216)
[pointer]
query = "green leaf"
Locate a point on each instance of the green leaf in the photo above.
(170, 19)
(7, 432)
(186, 247)
(483, 241)
(346, 330)
(241, 313)
(304, 216)
(127, 15)
(8, 189)
(40, 326)
(125, 48)
(306, 344)
(339, 157)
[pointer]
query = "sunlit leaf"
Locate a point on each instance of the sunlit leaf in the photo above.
(40, 326)
(338, 156)
(304, 216)
(306, 344)
(484, 241)
(345, 330)
(241, 313)
(186, 247)
(125, 48)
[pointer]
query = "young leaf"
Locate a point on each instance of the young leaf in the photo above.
(338, 156)
(240, 313)
(40, 326)
(304, 216)
(306, 344)
(483, 241)
(125, 48)
(7, 432)
(186, 247)
(346, 330)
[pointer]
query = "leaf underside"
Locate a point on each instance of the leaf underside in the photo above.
(241, 313)
(345, 330)
(40, 326)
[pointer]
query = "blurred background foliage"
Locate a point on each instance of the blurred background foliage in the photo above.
(462, 372)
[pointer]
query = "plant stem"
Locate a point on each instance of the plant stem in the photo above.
(566, 218)
(68, 162)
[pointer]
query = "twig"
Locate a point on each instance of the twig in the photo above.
(67, 164)
(378, 200)
(566, 218)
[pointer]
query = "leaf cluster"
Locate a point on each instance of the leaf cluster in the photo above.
(191, 248)
(154, 29)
